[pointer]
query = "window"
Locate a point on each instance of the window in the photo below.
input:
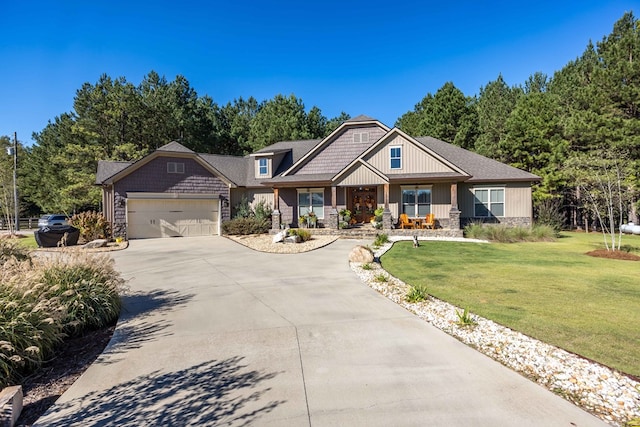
(175, 167)
(263, 167)
(361, 137)
(395, 154)
(489, 202)
(311, 200)
(416, 201)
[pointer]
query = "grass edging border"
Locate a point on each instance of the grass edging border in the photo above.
(606, 393)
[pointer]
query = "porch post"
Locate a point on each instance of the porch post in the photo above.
(275, 215)
(454, 212)
(333, 215)
(454, 195)
(386, 213)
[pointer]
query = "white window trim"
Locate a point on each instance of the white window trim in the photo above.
(488, 189)
(266, 166)
(391, 147)
(360, 136)
(416, 188)
(175, 167)
(308, 191)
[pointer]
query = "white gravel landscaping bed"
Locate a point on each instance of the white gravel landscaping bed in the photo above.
(606, 393)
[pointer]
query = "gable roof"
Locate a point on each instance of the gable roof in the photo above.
(175, 147)
(479, 167)
(357, 122)
(397, 132)
(107, 169)
(239, 171)
(109, 172)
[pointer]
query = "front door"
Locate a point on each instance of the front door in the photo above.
(362, 203)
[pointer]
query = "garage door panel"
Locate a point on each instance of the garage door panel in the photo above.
(172, 217)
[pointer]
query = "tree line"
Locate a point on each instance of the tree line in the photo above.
(116, 120)
(579, 130)
(576, 129)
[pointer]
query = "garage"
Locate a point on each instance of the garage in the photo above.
(176, 216)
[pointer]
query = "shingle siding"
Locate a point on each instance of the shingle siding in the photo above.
(154, 178)
(339, 153)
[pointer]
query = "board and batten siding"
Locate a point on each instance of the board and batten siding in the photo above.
(254, 196)
(517, 199)
(361, 176)
(414, 159)
(440, 199)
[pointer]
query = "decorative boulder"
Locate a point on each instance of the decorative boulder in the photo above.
(361, 254)
(98, 243)
(279, 237)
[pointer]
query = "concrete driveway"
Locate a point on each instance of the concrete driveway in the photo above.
(214, 333)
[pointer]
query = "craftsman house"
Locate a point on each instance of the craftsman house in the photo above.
(363, 165)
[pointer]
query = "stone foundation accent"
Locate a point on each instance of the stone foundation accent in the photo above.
(386, 220)
(10, 405)
(333, 219)
(510, 222)
(275, 220)
(120, 230)
(454, 219)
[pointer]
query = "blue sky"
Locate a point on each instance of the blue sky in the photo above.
(377, 58)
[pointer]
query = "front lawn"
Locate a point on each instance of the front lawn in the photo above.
(551, 291)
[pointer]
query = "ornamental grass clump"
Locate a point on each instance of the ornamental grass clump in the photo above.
(44, 301)
(87, 287)
(29, 325)
(12, 250)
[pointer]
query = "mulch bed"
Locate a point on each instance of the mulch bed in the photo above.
(45, 386)
(622, 255)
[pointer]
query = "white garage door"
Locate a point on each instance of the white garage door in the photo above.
(171, 217)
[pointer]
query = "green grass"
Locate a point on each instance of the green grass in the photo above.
(28, 241)
(549, 290)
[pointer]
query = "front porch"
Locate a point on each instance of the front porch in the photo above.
(368, 231)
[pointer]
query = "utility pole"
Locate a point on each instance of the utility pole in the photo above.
(15, 181)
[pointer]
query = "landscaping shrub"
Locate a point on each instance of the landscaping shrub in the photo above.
(505, 234)
(380, 240)
(92, 225)
(244, 226)
(416, 294)
(29, 330)
(300, 232)
(87, 287)
(262, 211)
(43, 301)
(243, 209)
(544, 233)
(549, 213)
(10, 249)
(474, 230)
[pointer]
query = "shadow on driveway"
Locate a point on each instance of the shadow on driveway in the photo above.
(211, 393)
(142, 320)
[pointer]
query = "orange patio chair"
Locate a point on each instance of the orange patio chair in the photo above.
(405, 222)
(430, 221)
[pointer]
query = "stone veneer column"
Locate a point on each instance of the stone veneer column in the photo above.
(386, 219)
(454, 219)
(333, 219)
(275, 220)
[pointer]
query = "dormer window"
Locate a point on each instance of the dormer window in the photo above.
(361, 137)
(263, 166)
(395, 155)
(175, 167)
